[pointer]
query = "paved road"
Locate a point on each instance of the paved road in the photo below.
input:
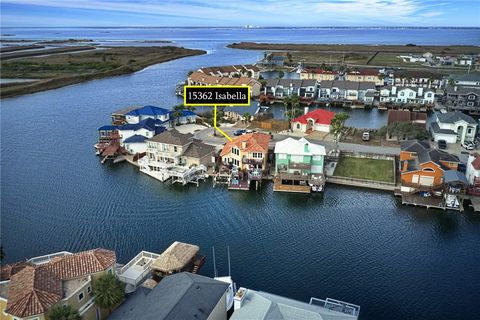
(207, 136)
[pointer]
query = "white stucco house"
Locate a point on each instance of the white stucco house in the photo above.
(147, 112)
(473, 168)
(453, 127)
(407, 95)
(316, 120)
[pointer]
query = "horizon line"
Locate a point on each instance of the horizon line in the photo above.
(255, 27)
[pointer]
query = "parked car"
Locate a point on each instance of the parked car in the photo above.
(468, 145)
(442, 144)
(366, 136)
(249, 131)
(239, 132)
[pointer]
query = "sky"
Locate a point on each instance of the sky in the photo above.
(266, 13)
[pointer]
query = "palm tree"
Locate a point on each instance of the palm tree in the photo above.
(337, 127)
(246, 117)
(295, 102)
(59, 312)
(286, 103)
(108, 291)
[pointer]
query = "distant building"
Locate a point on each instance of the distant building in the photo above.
(462, 99)
(245, 70)
(467, 80)
(407, 95)
(258, 305)
(28, 290)
(453, 126)
(316, 120)
(201, 79)
(180, 296)
(318, 74)
(348, 90)
(417, 78)
(365, 75)
(280, 88)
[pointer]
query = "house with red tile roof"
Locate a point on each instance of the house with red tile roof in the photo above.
(316, 120)
(29, 289)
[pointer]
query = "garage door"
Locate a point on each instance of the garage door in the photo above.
(426, 181)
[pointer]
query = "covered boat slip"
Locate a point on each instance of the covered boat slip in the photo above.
(298, 183)
(178, 257)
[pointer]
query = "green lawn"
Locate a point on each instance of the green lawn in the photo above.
(361, 168)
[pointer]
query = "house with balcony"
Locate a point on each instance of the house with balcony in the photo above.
(462, 98)
(161, 115)
(176, 155)
(417, 78)
(453, 127)
(316, 120)
(133, 135)
(318, 74)
(407, 95)
(201, 79)
(119, 117)
(422, 167)
(280, 88)
(347, 91)
(365, 75)
(299, 166)
(28, 290)
(246, 157)
(258, 305)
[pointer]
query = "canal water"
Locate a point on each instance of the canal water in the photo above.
(351, 244)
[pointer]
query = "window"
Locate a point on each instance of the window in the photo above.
(471, 97)
(428, 169)
(257, 155)
(282, 156)
(175, 149)
(429, 95)
(165, 147)
(235, 151)
(89, 289)
(316, 158)
(298, 125)
(469, 104)
(410, 94)
(80, 296)
(402, 94)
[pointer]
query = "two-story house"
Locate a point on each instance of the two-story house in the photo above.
(29, 289)
(407, 95)
(422, 166)
(453, 127)
(417, 78)
(174, 149)
(365, 75)
(156, 113)
(462, 98)
(299, 166)
(280, 88)
(318, 74)
(347, 90)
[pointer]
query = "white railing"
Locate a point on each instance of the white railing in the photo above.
(337, 305)
(148, 256)
(48, 257)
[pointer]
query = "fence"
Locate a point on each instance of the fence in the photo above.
(271, 124)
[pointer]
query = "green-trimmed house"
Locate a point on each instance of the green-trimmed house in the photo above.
(299, 166)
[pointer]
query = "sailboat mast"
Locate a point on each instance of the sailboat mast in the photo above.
(228, 253)
(214, 264)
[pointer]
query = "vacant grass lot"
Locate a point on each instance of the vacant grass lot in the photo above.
(362, 168)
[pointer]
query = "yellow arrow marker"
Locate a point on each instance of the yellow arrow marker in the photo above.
(215, 124)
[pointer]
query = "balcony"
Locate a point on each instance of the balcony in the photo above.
(253, 162)
(299, 165)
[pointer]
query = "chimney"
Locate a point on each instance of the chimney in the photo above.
(305, 147)
(305, 110)
(239, 298)
(394, 90)
(244, 144)
(420, 91)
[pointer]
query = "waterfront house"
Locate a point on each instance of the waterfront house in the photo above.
(119, 117)
(473, 169)
(244, 70)
(453, 127)
(316, 120)
(462, 98)
(407, 95)
(107, 133)
(179, 296)
(246, 156)
(201, 79)
(423, 167)
(183, 117)
(28, 290)
(347, 90)
(318, 74)
(280, 88)
(299, 166)
(417, 78)
(178, 257)
(172, 154)
(365, 75)
(258, 305)
(133, 135)
(156, 113)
